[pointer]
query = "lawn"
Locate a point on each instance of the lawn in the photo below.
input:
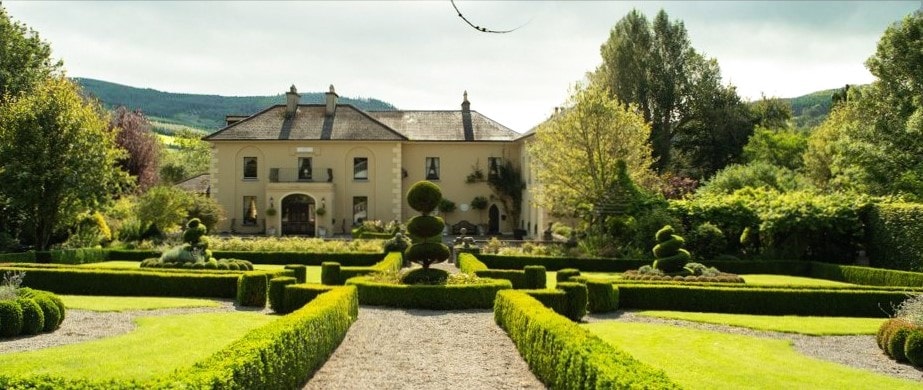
(313, 271)
(158, 346)
(105, 303)
(784, 280)
(698, 359)
(814, 326)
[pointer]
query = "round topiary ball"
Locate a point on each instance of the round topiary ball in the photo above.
(50, 312)
(424, 196)
(425, 226)
(896, 344)
(10, 318)
(427, 253)
(913, 347)
(33, 318)
(425, 276)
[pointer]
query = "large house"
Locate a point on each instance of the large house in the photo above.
(319, 169)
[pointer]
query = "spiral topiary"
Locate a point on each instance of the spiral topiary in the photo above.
(194, 250)
(671, 257)
(425, 230)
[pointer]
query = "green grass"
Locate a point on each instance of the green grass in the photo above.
(112, 264)
(697, 359)
(158, 346)
(784, 280)
(814, 326)
(103, 303)
(313, 271)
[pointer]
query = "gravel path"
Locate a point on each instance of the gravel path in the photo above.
(855, 351)
(422, 349)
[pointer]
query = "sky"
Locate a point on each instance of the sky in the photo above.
(420, 55)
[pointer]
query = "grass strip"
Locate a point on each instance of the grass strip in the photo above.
(812, 326)
(118, 304)
(785, 280)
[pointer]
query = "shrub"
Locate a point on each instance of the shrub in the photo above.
(425, 226)
(516, 277)
(166, 283)
(707, 241)
(424, 197)
(602, 297)
(564, 275)
(896, 341)
(432, 297)
(10, 318)
(33, 319)
(398, 243)
(252, 289)
(867, 276)
(913, 347)
(298, 295)
(536, 277)
(50, 312)
(469, 263)
(330, 273)
(425, 276)
(301, 272)
(277, 292)
(893, 232)
(553, 299)
(670, 257)
(576, 300)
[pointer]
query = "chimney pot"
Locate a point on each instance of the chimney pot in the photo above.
(466, 105)
(331, 101)
(291, 101)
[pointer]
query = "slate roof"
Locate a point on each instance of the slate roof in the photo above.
(198, 184)
(309, 123)
(351, 123)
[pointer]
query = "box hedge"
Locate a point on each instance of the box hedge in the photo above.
(557, 263)
(298, 295)
(516, 277)
(553, 299)
(88, 281)
(252, 289)
(602, 297)
(575, 300)
(277, 292)
(893, 234)
(438, 297)
(300, 271)
(565, 356)
(536, 276)
(391, 262)
(866, 275)
(22, 257)
(469, 263)
(305, 258)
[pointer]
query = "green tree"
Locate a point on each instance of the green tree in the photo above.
(25, 59)
(165, 207)
(190, 157)
(57, 158)
(772, 113)
(754, 175)
(577, 151)
(781, 147)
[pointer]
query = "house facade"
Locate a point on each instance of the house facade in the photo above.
(319, 169)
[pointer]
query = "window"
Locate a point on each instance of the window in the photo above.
(249, 210)
(360, 209)
(361, 168)
(432, 168)
(250, 168)
(493, 167)
(304, 169)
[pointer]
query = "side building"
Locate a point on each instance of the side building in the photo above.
(319, 169)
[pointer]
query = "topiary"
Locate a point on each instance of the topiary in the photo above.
(10, 318)
(536, 277)
(669, 253)
(252, 289)
(575, 295)
(277, 292)
(425, 231)
(194, 232)
(913, 347)
(602, 297)
(424, 197)
(565, 274)
(425, 226)
(896, 344)
(33, 319)
(330, 273)
(425, 276)
(300, 271)
(50, 313)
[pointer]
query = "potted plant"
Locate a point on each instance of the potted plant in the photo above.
(446, 206)
(271, 212)
(320, 212)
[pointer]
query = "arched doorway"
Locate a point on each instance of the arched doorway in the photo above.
(298, 216)
(493, 220)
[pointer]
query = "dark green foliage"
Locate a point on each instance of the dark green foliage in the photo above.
(893, 232)
(730, 214)
(306, 258)
(330, 273)
(865, 275)
(398, 243)
(78, 256)
(427, 253)
(425, 226)
(707, 241)
(51, 313)
(516, 277)
(298, 295)
(277, 292)
(576, 300)
(565, 274)
(300, 271)
(603, 297)
(86, 281)
(433, 297)
(10, 318)
(430, 276)
(33, 319)
(252, 289)
(913, 347)
(178, 254)
(424, 197)
(23, 257)
(194, 231)
(895, 344)
(536, 277)
(558, 263)
(668, 251)
(844, 302)
(564, 355)
(553, 299)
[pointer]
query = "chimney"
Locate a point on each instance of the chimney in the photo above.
(291, 101)
(331, 101)
(466, 105)
(467, 126)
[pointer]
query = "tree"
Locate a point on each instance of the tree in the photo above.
(57, 158)
(141, 145)
(25, 59)
(191, 157)
(772, 113)
(780, 147)
(165, 207)
(577, 151)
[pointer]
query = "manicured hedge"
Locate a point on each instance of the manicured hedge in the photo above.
(130, 283)
(73, 256)
(893, 235)
(564, 355)
(252, 289)
(445, 297)
(769, 301)
(553, 299)
(33, 312)
(283, 258)
(516, 277)
(298, 295)
(22, 257)
(277, 292)
(469, 263)
(866, 275)
(575, 299)
(300, 271)
(557, 263)
(392, 262)
(603, 297)
(775, 267)
(536, 276)
(132, 255)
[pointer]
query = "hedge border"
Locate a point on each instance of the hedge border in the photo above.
(391, 262)
(441, 297)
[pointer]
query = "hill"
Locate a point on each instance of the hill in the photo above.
(810, 110)
(206, 112)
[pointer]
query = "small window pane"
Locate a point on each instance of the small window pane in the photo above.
(361, 168)
(305, 169)
(250, 167)
(432, 168)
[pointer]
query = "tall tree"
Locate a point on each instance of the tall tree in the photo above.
(142, 147)
(577, 151)
(57, 158)
(190, 157)
(25, 59)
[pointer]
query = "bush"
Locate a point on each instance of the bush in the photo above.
(865, 275)
(426, 253)
(564, 275)
(602, 297)
(424, 197)
(425, 226)
(88, 281)
(300, 271)
(50, 312)
(330, 274)
(893, 232)
(431, 276)
(575, 298)
(33, 319)
(298, 295)
(441, 297)
(670, 257)
(535, 277)
(252, 289)
(277, 292)
(398, 243)
(516, 277)
(707, 242)
(895, 345)
(564, 355)
(553, 299)
(913, 347)
(10, 318)
(469, 263)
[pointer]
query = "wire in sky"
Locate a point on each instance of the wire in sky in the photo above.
(484, 29)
